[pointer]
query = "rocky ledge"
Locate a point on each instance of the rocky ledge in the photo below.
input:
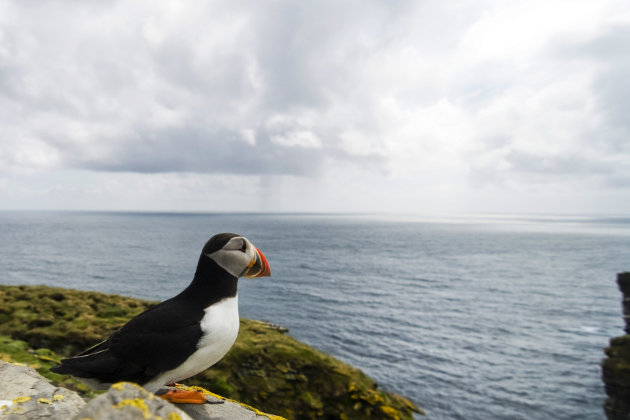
(28, 395)
(266, 368)
(616, 367)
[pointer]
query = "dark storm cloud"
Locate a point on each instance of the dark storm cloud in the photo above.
(199, 150)
(215, 152)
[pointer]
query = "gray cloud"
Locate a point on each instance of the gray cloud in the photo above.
(613, 87)
(141, 90)
(199, 150)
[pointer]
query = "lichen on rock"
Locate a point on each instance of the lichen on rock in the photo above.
(25, 394)
(128, 401)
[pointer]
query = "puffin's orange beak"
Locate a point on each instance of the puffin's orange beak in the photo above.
(259, 266)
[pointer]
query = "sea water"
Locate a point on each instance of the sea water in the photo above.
(485, 317)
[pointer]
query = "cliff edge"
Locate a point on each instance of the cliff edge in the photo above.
(266, 368)
(616, 367)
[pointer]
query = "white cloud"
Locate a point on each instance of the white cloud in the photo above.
(300, 138)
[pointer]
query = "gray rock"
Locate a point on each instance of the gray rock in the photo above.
(127, 401)
(623, 280)
(219, 408)
(25, 394)
(615, 371)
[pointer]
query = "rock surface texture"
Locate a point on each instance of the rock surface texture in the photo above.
(616, 367)
(24, 394)
(127, 401)
(223, 408)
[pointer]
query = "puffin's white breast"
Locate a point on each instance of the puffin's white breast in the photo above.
(219, 326)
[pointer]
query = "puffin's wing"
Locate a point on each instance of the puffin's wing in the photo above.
(160, 338)
(157, 340)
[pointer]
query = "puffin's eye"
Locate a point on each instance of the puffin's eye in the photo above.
(243, 247)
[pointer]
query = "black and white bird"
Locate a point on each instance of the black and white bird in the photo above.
(181, 336)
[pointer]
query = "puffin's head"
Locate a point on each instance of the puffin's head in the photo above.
(236, 255)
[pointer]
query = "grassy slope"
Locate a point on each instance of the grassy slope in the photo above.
(265, 368)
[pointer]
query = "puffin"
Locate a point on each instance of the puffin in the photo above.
(181, 336)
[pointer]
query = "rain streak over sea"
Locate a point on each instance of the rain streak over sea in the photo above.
(476, 317)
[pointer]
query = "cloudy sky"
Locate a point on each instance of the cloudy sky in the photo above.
(416, 106)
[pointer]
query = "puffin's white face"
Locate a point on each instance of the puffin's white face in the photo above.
(240, 258)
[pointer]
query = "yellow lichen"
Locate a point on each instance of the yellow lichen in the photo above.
(212, 394)
(373, 397)
(198, 388)
(21, 399)
(136, 403)
(44, 401)
(390, 412)
(118, 386)
(352, 387)
(58, 397)
(173, 416)
(19, 409)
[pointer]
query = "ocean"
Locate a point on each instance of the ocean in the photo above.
(471, 317)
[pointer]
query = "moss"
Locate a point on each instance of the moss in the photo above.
(265, 368)
(65, 325)
(220, 385)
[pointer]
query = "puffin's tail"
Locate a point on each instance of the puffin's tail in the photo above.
(99, 366)
(102, 366)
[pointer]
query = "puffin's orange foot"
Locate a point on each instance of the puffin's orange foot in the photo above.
(179, 396)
